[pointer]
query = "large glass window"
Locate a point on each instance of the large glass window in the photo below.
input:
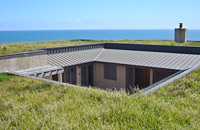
(110, 71)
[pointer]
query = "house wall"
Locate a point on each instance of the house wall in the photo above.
(147, 76)
(21, 63)
(48, 77)
(101, 82)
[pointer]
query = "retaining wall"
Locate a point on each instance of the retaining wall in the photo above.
(21, 61)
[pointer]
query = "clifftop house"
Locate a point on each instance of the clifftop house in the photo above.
(104, 65)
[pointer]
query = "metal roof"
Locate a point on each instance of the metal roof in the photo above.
(163, 60)
(149, 59)
(73, 58)
(42, 71)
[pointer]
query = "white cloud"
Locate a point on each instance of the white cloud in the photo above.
(75, 21)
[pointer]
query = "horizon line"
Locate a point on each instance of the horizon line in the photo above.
(85, 29)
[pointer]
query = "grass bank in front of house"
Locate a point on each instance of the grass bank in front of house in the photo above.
(10, 48)
(31, 104)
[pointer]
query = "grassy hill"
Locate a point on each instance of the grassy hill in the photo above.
(31, 104)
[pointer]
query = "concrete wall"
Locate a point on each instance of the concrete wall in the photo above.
(101, 82)
(23, 62)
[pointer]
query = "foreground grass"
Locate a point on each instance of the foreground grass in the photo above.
(10, 48)
(5, 77)
(32, 104)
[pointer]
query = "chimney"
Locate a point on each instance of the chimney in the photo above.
(180, 34)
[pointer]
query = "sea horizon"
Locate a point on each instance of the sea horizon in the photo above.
(10, 36)
(85, 29)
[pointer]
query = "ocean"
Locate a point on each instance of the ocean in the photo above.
(132, 34)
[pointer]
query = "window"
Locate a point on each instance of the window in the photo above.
(55, 77)
(110, 71)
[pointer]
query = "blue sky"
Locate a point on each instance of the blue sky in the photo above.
(98, 14)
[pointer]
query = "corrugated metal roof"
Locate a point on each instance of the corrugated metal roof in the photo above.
(73, 58)
(149, 59)
(42, 71)
(163, 60)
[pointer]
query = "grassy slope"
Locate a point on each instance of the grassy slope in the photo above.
(9, 48)
(32, 104)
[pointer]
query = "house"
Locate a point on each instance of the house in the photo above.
(104, 65)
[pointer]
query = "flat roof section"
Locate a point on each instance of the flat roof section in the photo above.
(42, 71)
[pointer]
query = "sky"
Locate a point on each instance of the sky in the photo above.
(98, 14)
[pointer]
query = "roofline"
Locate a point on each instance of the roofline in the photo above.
(154, 48)
(82, 45)
(73, 48)
(24, 54)
(127, 46)
(137, 66)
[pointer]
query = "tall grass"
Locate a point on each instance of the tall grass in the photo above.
(32, 104)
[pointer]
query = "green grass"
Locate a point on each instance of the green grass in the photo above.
(5, 77)
(10, 48)
(31, 104)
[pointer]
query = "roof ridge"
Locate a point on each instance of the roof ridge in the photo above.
(98, 54)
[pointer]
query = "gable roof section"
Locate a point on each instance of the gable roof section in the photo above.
(142, 55)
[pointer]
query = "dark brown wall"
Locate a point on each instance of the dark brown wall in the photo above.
(159, 74)
(142, 77)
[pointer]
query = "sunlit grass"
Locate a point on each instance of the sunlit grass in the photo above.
(31, 104)
(5, 77)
